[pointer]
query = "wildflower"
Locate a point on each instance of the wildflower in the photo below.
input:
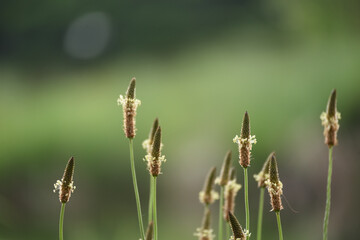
(65, 186)
(263, 175)
(129, 104)
(230, 193)
(245, 142)
(155, 159)
(274, 186)
(225, 169)
(238, 233)
(330, 121)
(147, 144)
(205, 232)
(208, 195)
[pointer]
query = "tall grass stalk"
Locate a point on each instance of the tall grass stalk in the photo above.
(247, 210)
(260, 216)
(150, 209)
(328, 197)
(279, 225)
(133, 173)
(61, 221)
(154, 209)
(221, 205)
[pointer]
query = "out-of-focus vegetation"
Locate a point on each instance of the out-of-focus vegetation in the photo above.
(199, 65)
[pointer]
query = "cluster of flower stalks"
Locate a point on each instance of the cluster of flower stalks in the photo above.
(228, 225)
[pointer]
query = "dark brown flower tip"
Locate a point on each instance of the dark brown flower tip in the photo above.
(206, 222)
(131, 89)
(224, 174)
(210, 181)
(149, 232)
(69, 171)
(245, 129)
(232, 173)
(264, 173)
(153, 131)
(156, 146)
(236, 227)
(273, 170)
(331, 106)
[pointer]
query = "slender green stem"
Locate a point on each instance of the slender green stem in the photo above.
(328, 197)
(260, 216)
(279, 225)
(150, 210)
(154, 209)
(61, 221)
(132, 161)
(227, 232)
(221, 205)
(247, 211)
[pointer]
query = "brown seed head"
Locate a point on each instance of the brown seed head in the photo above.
(207, 195)
(149, 232)
(154, 163)
(230, 193)
(153, 131)
(65, 186)
(264, 173)
(224, 174)
(331, 106)
(232, 174)
(274, 186)
(330, 121)
(238, 233)
(206, 222)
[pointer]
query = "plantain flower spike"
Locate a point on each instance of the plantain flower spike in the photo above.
(65, 186)
(330, 121)
(148, 142)
(230, 193)
(238, 233)
(263, 175)
(245, 142)
(205, 232)
(149, 232)
(129, 104)
(274, 186)
(155, 159)
(223, 179)
(208, 195)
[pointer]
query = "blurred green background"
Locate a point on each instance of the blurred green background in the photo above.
(199, 66)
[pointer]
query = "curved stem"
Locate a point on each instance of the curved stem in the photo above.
(138, 205)
(221, 212)
(328, 198)
(260, 216)
(247, 211)
(150, 210)
(279, 225)
(154, 209)
(61, 221)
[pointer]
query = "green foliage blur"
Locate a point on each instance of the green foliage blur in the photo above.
(199, 66)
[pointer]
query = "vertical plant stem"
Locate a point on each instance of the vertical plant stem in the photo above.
(221, 212)
(227, 232)
(328, 197)
(154, 209)
(279, 225)
(260, 216)
(132, 161)
(247, 211)
(150, 210)
(61, 221)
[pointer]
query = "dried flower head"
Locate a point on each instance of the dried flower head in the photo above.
(155, 159)
(330, 121)
(238, 233)
(66, 184)
(230, 193)
(129, 104)
(149, 232)
(274, 186)
(148, 142)
(205, 232)
(263, 175)
(225, 170)
(208, 195)
(245, 142)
